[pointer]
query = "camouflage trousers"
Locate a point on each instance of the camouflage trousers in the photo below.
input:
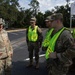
(5, 66)
(55, 67)
(33, 47)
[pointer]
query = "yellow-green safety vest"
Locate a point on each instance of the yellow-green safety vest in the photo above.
(73, 33)
(52, 43)
(32, 34)
(45, 43)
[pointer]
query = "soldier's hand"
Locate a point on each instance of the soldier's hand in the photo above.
(53, 55)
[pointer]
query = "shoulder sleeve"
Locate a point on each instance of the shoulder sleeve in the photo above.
(69, 45)
(39, 30)
(27, 36)
(67, 38)
(64, 42)
(40, 36)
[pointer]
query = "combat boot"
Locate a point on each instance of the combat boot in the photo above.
(30, 64)
(37, 66)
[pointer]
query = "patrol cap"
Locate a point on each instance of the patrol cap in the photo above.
(48, 18)
(57, 16)
(1, 22)
(33, 19)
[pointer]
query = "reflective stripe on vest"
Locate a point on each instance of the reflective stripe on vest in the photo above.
(32, 34)
(52, 43)
(47, 38)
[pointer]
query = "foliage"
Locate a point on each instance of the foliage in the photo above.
(40, 19)
(19, 17)
(66, 14)
(34, 5)
(8, 10)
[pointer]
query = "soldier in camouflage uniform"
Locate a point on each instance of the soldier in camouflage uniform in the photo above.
(48, 24)
(61, 57)
(34, 39)
(6, 52)
(72, 67)
(45, 42)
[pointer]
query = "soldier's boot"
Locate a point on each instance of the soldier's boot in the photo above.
(30, 64)
(37, 65)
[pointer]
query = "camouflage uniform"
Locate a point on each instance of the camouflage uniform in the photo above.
(60, 65)
(64, 48)
(47, 37)
(5, 54)
(72, 67)
(34, 46)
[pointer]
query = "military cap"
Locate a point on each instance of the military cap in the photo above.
(57, 16)
(1, 22)
(32, 19)
(48, 18)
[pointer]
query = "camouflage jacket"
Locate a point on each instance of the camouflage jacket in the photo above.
(65, 46)
(5, 45)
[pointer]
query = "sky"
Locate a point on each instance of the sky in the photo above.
(44, 4)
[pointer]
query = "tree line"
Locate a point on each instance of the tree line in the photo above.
(18, 17)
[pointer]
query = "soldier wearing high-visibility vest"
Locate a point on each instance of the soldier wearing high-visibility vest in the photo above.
(60, 47)
(34, 40)
(45, 42)
(47, 38)
(72, 67)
